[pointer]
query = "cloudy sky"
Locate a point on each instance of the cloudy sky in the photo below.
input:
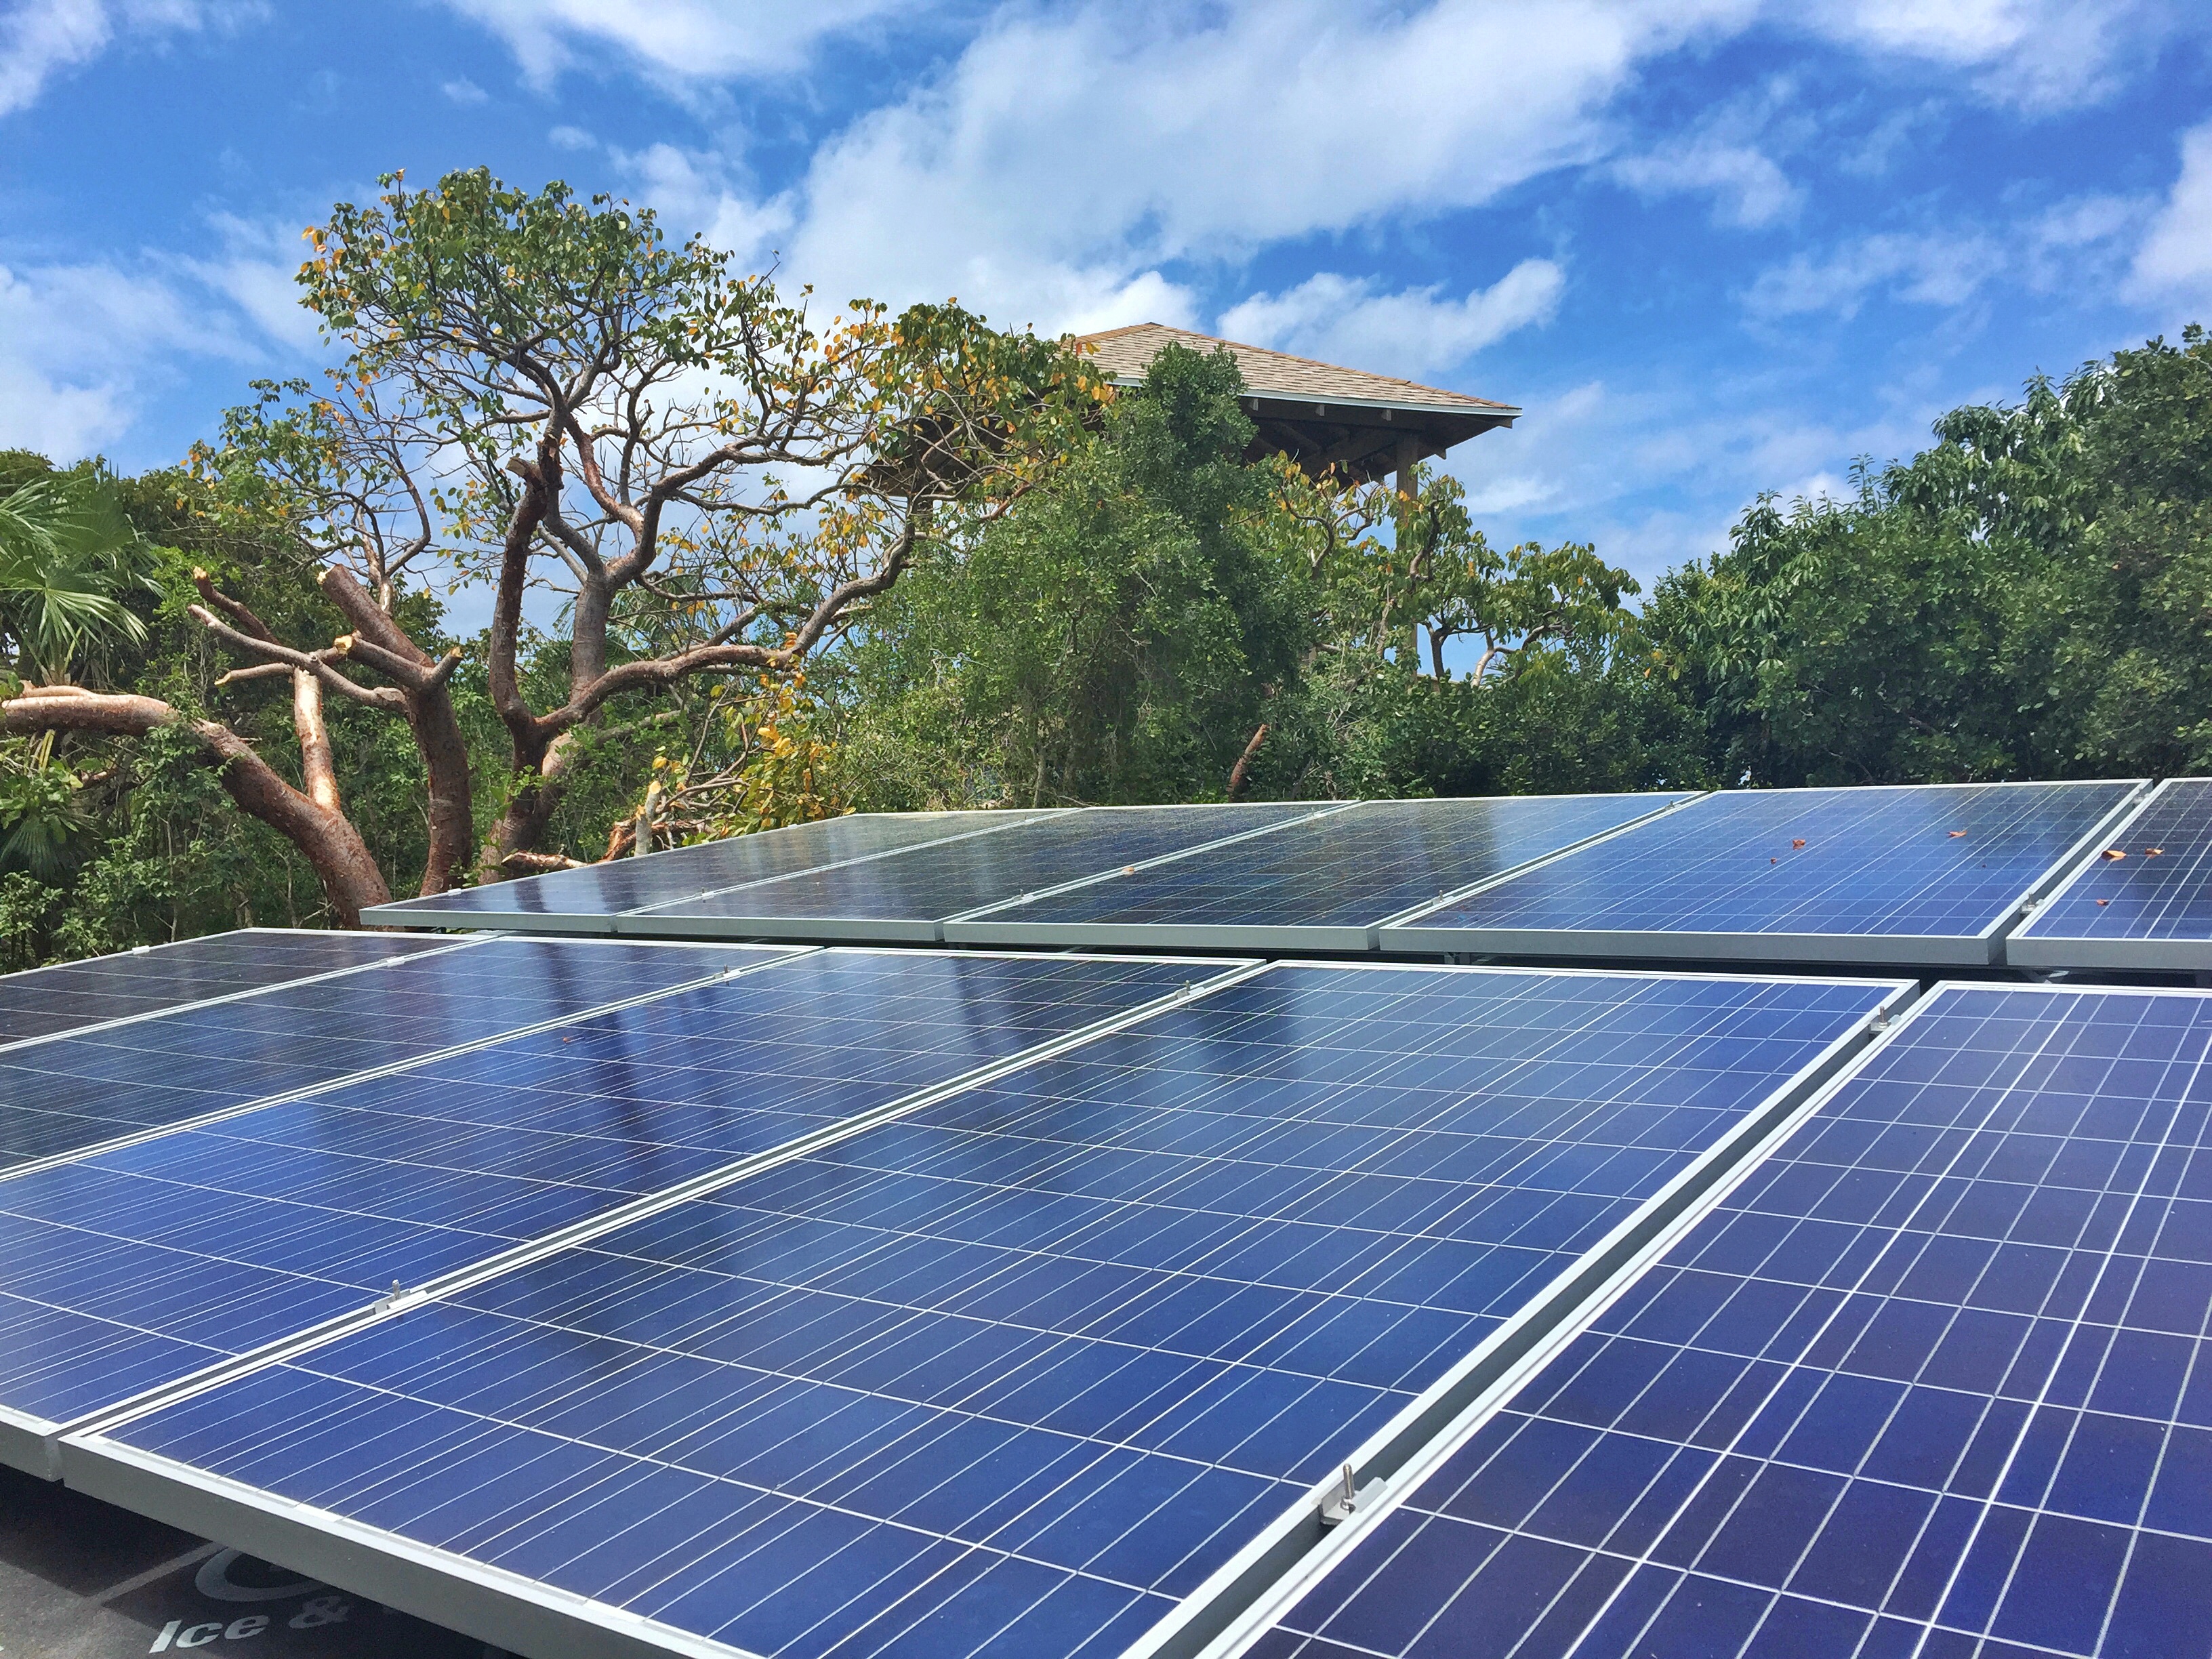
(1712, 247)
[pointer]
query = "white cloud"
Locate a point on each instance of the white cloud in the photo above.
(464, 92)
(1058, 168)
(676, 40)
(1345, 319)
(1748, 189)
(2175, 259)
(2034, 54)
(568, 137)
(259, 273)
(79, 344)
(40, 38)
(1923, 268)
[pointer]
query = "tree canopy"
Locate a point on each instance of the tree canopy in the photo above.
(749, 565)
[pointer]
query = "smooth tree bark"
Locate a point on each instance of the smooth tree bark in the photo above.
(349, 877)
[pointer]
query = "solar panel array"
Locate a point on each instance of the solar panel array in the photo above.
(83, 1089)
(582, 901)
(131, 1269)
(69, 996)
(1018, 1371)
(1903, 875)
(904, 898)
(716, 1298)
(1928, 1382)
(2143, 900)
(1324, 883)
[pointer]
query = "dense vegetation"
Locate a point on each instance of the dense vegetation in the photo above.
(1111, 608)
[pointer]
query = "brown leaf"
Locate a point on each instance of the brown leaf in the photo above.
(1955, 833)
(2114, 853)
(1800, 841)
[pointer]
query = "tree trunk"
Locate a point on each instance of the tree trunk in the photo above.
(540, 781)
(426, 692)
(351, 881)
(1242, 770)
(317, 769)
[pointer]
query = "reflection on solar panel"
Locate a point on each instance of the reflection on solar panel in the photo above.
(1015, 1373)
(70, 995)
(904, 897)
(128, 1269)
(1318, 885)
(2149, 908)
(1922, 874)
(582, 901)
(1931, 1377)
(77, 1091)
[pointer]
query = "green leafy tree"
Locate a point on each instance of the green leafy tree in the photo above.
(1116, 639)
(541, 391)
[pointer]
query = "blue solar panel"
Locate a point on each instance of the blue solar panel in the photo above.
(128, 1269)
(1929, 1381)
(74, 1091)
(69, 995)
(2149, 908)
(904, 897)
(1300, 887)
(1014, 1374)
(1928, 873)
(593, 895)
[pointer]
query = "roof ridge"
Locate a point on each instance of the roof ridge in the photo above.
(1293, 357)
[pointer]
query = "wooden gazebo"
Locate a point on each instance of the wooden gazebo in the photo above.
(1367, 426)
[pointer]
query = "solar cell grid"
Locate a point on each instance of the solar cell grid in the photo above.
(78, 1090)
(587, 897)
(2151, 908)
(1905, 874)
(1340, 874)
(1928, 1381)
(905, 897)
(1015, 1373)
(69, 995)
(128, 1269)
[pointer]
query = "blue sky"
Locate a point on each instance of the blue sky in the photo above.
(1713, 248)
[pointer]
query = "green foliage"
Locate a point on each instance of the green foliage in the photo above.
(70, 561)
(1114, 638)
(2028, 598)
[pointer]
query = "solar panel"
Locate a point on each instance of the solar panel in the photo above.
(2149, 908)
(128, 1269)
(582, 901)
(902, 899)
(1913, 874)
(1930, 1381)
(77, 1090)
(1018, 1373)
(70, 995)
(1324, 884)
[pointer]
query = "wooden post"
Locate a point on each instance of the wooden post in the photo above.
(1408, 456)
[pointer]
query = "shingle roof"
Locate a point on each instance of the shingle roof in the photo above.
(1126, 353)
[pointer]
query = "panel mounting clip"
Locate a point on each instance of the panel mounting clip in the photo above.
(1347, 1498)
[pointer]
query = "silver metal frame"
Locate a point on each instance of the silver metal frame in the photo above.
(1982, 949)
(525, 1615)
(400, 914)
(996, 925)
(2023, 949)
(30, 1442)
(195, 1003)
